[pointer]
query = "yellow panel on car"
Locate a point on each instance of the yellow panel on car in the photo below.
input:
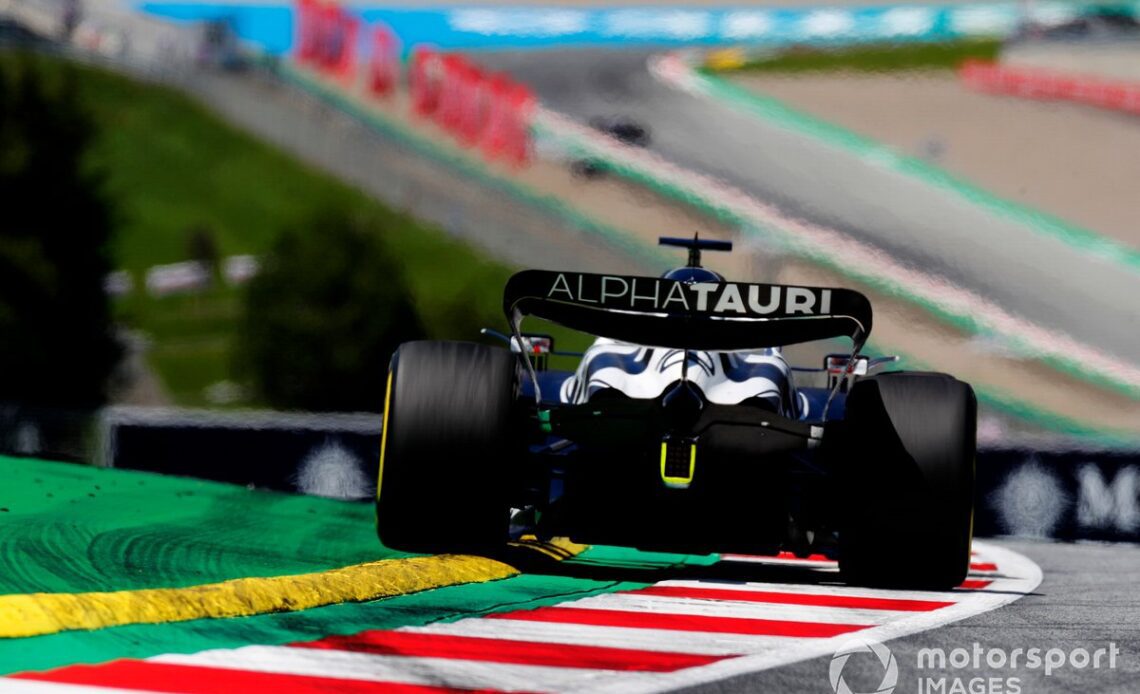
(678, 462)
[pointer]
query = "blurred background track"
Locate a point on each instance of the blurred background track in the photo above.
(545, 217)
(1068, 160)
(402, 177)
(1035, 276)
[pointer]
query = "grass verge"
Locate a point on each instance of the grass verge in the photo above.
(877, 57)
(172, 167)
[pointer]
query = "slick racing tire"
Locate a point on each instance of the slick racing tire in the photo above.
(907, 474)
(445, 448)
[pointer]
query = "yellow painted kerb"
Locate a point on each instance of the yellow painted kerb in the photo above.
(37, 614)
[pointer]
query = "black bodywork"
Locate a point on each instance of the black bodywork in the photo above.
(757, 481)
(746, 490)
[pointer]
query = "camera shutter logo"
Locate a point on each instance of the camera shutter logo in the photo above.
(886, 658)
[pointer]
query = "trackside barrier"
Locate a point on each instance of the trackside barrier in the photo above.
(473, 100)
(345, 66)
(508, 132)
(1058, 492)
(306, 44)
(330, 455)
(455, 80)
(424, 87)
(1042, 486)
(327, 38)
(1036, 83)
(483, 110)
(384, 62)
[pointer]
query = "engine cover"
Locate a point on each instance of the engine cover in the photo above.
(724, 378)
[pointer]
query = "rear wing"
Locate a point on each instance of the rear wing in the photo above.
(722, 316)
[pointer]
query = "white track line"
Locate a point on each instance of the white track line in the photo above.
(366, 667)
(663, 640)
(820, 589)
(653, 604)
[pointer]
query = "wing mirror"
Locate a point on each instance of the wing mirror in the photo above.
(836, 366)
(537, 345)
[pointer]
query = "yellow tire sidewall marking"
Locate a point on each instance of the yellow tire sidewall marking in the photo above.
(384, 431)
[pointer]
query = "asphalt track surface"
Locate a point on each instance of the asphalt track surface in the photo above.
(1088, 599)
(1032, 275)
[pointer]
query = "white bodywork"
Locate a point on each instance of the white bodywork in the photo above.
(725, 378)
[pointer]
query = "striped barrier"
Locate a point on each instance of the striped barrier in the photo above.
(1037, 83)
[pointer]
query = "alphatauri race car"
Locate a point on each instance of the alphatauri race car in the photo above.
(682, 429)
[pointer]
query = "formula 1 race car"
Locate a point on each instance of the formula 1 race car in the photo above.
(682, 429)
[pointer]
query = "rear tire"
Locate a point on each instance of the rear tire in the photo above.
(908, 476)
(446, 448)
